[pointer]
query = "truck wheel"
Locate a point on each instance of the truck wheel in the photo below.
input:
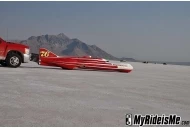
(13, 60)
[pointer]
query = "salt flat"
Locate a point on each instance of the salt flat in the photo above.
(33, 95)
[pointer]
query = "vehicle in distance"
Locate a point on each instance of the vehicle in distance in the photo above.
(48, 58)
(13, 54)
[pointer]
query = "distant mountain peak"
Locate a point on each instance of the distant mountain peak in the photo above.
(62, 35)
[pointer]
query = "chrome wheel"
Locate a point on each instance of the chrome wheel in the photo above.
(14, 61)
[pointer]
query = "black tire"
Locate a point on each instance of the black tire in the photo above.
(13, 60)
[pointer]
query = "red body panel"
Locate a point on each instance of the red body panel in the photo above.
(5, 47)
(48, 58)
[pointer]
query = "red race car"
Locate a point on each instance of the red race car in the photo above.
(48, 58)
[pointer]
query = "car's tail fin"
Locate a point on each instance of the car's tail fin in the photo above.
(46, 53)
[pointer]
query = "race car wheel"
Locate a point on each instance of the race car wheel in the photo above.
(13, 60)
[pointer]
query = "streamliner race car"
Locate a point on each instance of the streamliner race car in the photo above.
(48, 58)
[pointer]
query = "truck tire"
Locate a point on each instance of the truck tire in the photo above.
(13, 60)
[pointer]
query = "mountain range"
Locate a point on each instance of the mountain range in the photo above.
(63, 45)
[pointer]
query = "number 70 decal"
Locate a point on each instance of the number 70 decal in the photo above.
(44, 53)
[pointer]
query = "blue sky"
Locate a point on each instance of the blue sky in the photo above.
(141, 30)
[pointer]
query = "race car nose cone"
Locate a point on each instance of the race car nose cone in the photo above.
(130, 66)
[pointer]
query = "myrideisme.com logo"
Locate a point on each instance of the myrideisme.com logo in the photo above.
(152, 119)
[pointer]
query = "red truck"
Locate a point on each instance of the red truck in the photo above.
(13, 54)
